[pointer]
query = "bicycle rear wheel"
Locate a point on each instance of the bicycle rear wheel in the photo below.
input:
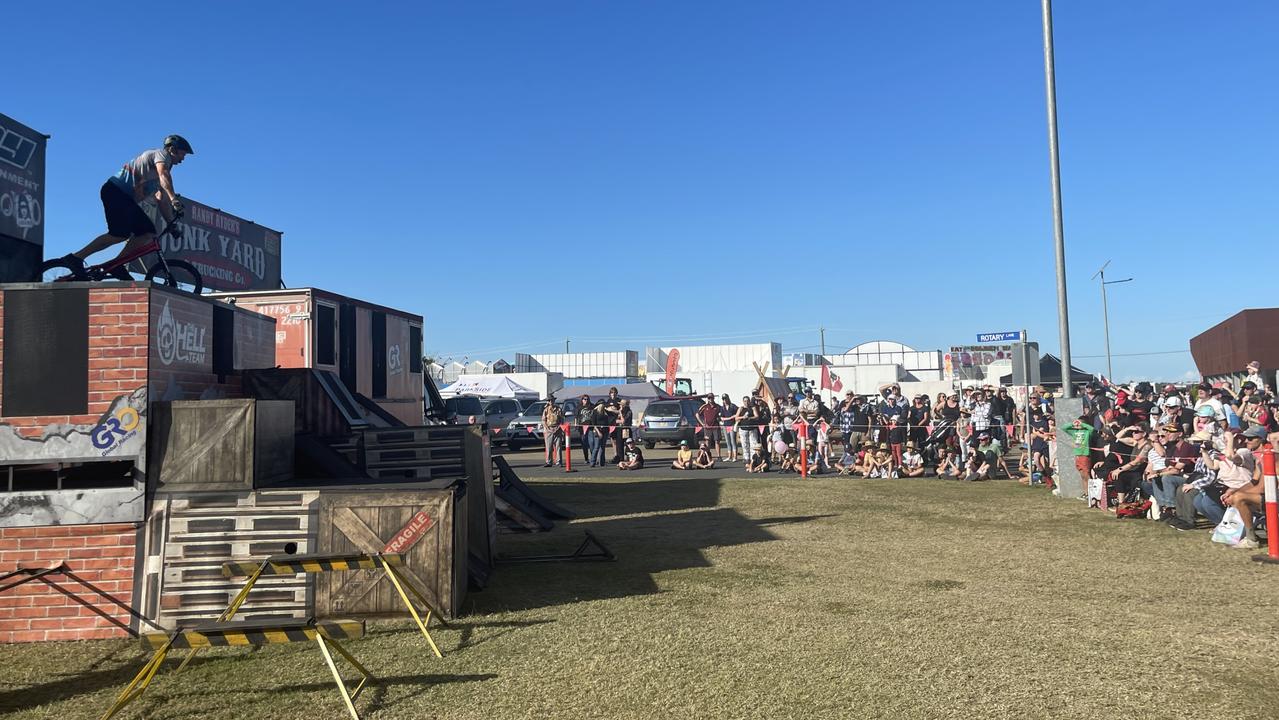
(59, 270)
(181, 275)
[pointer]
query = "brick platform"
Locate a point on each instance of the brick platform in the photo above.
(101, 555)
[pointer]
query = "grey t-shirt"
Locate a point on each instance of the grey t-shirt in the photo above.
(139, 177)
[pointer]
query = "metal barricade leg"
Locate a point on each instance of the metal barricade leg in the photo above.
(348, 697)
(230, 611)
(400, 585)
(140, 681)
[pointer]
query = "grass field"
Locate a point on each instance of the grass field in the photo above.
(776, 598)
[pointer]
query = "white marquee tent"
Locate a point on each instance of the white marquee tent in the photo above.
(488, 386)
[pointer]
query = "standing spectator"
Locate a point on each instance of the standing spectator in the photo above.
(586, 421)
(552, 432)
(746, 420)
(727, 412)
(917, 418)
(613, 409)
(999, 414)
(598, 437)
(708, 418)
(1081, 433)
(625, 418)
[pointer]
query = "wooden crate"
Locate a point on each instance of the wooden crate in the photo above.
(378, 521)
(216, 445)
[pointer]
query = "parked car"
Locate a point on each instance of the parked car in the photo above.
(526, 429)
(669, 421)
(497, 413)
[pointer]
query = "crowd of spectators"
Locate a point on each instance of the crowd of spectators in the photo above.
(1182, 455)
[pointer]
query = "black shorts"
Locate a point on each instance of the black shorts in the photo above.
(124, 217)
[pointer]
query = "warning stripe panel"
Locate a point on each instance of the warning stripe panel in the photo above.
(235, 634)
(315, 564)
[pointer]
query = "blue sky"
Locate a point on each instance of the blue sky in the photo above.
(522, 172)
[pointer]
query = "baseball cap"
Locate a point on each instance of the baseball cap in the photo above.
(1173, 401)
(683, 443)
(1171, 427)
(1205, 411)
(1256, 431)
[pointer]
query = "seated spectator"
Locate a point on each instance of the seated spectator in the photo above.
(880, 464)
(912, 461)
(1179, 462)
(757, 463)
(683, 457)
(1126, 462)
(847, 463)
(948, 463)
(1231, 470)
(633, 458)
(703, 459)
(789, 460)
(1251, 497)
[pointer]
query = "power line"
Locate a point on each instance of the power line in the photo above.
(1140, 354)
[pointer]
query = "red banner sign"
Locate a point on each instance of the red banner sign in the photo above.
(672, 365)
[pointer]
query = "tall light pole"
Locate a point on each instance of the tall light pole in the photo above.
(1105, 313)
(1063, 314)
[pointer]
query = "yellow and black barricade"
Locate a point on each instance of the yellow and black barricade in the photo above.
(324, 633)
(318, 563)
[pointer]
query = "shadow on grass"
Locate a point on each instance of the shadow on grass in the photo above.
(468, 631)
(591, 499)
(651, 526)
(69, 686)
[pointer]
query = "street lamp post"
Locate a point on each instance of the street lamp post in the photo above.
(1063, 313)
(1105, 314)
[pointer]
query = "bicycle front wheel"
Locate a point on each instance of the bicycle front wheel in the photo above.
(59, 270)
(181, 274)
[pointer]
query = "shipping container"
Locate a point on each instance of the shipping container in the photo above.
(376, 351)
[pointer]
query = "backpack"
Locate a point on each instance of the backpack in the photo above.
(1132, 509)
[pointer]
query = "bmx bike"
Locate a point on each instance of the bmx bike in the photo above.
(172, 273)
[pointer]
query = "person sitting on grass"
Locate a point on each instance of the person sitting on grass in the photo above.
(880, 464)
(683, 457)
(948, 463)
(757, 463)
(790, 460)
(633, 459)
(912, 461)
(847, 463)
(703, 460)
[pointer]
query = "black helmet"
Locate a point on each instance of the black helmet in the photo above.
(180, 143)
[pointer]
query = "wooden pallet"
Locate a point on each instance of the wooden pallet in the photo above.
(203, 531)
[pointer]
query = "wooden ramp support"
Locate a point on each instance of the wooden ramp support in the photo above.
(324, 634)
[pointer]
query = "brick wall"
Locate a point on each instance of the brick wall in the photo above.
(117, 354)
(102, 555)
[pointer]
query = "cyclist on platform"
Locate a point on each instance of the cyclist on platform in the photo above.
(146, 177)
